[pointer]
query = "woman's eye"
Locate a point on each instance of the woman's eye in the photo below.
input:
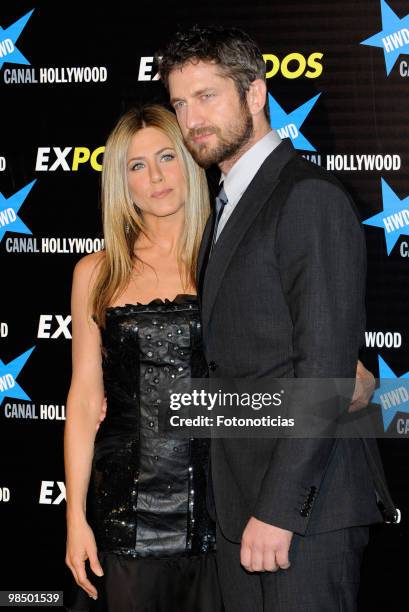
(168, 156)
(137, 166)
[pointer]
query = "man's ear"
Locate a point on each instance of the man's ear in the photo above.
(257, 96)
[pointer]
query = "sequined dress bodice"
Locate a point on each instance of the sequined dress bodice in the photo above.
(147, 491)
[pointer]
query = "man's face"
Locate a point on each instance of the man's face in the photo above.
(215, 124)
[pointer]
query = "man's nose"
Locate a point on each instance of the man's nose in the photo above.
(193, 117)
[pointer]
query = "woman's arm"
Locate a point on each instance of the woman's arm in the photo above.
(83, 408)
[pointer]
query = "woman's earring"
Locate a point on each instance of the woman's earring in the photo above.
(126, 228)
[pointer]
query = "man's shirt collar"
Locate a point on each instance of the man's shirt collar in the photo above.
(243, 171)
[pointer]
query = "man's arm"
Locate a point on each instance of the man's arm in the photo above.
(322, 259)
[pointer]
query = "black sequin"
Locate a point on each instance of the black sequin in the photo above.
(147, 492)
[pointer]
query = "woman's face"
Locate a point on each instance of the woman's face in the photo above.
(155, 177)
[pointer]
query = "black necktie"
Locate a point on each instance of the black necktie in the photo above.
(221, 202)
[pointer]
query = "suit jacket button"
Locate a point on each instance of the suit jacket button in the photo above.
(212, 365)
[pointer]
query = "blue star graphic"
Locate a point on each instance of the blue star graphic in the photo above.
(392, 395)
(394, 219)
(288, 126)
(9, 221)
(8, 38)
(393, 38)
(9, 387)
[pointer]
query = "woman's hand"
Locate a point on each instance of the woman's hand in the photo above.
(364, 388)
(103, 412)
(80, 547)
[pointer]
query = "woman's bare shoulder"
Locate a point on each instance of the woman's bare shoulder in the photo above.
(84, 275)
(88, 265)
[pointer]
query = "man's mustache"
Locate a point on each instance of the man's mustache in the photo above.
(202, 131)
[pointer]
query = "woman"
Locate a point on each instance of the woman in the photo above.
(135, 498)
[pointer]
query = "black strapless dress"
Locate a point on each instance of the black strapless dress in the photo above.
(146, 501)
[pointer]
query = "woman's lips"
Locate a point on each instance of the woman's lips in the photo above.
(161, 194)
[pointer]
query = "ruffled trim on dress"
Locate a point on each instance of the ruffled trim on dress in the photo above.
(156, 304)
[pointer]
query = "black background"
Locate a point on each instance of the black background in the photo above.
(360, 110)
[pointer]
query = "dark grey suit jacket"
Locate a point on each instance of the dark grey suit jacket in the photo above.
(283, 296)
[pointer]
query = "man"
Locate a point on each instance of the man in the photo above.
(281, 277)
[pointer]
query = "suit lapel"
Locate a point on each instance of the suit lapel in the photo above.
(242, 217)
(214, 188)
(203, 252)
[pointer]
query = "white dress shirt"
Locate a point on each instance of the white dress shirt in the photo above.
(243, 171)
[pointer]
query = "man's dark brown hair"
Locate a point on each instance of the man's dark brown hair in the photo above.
(234, 51)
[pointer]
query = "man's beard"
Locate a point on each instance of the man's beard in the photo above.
(235, 138)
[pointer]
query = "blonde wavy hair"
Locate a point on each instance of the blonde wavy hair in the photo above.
(122, 223)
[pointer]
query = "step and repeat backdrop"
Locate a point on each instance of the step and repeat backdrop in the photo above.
(338, 82)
